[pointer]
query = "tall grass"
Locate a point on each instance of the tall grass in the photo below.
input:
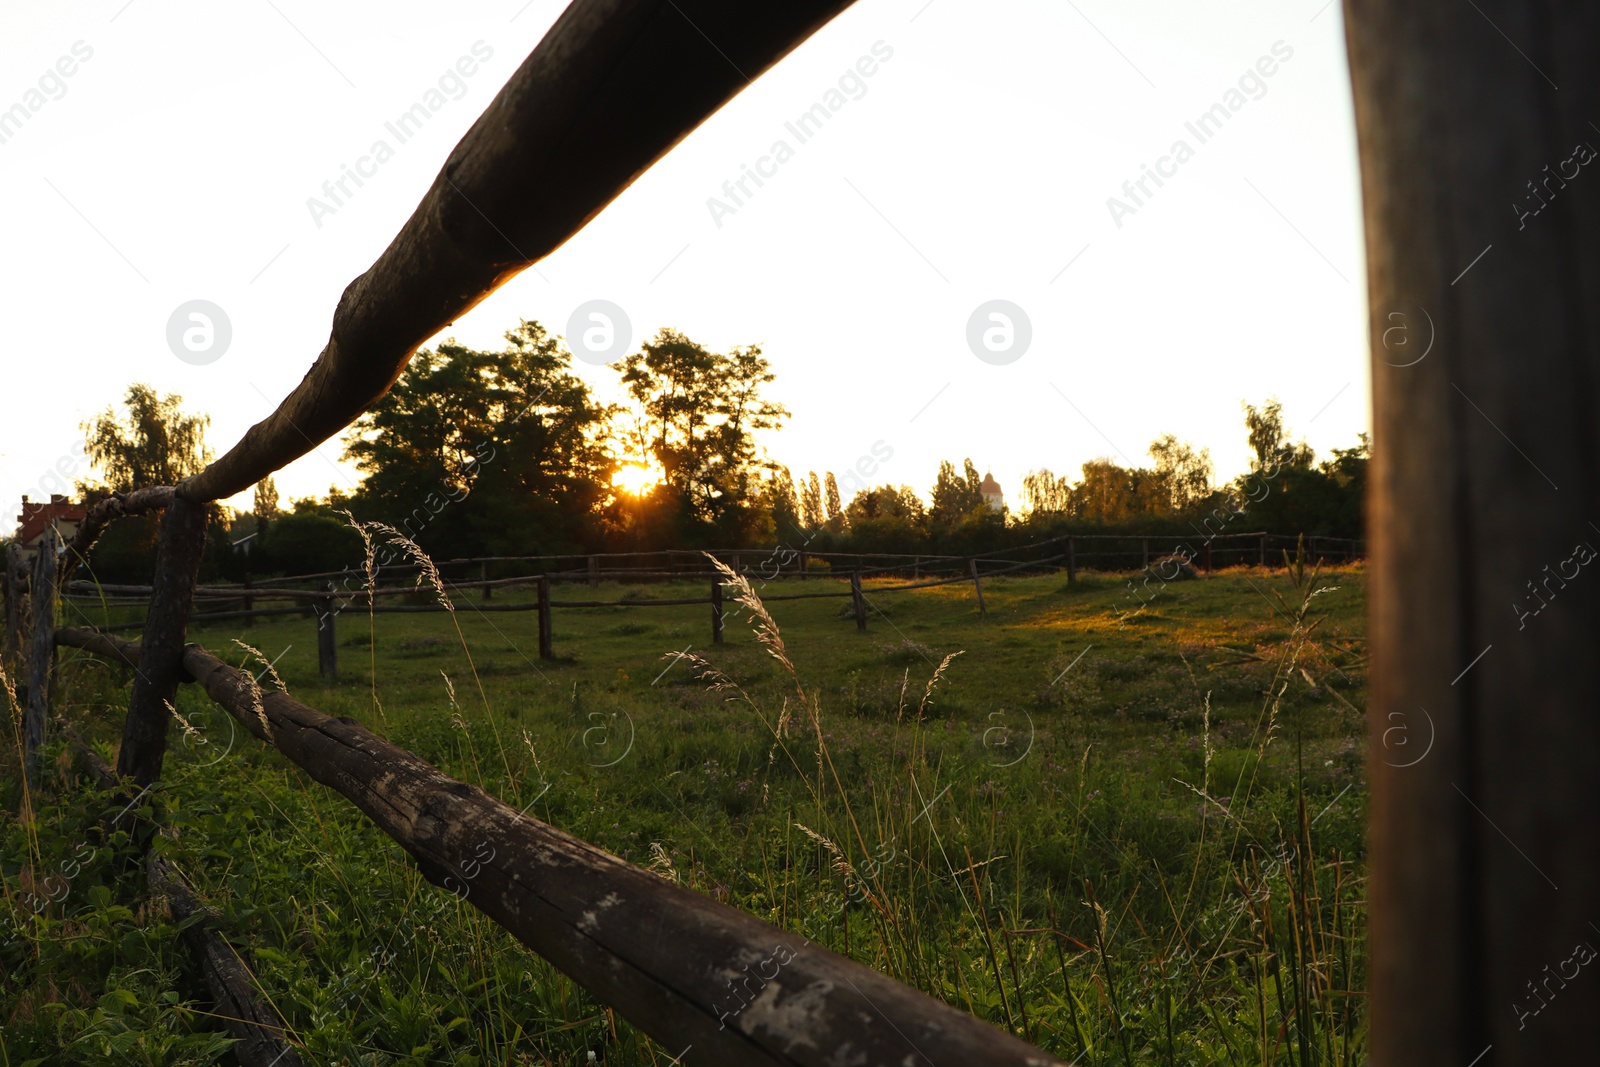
(1167, 874)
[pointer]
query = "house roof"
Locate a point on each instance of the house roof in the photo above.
(37, 515)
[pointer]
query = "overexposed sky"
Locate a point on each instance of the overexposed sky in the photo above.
(975, 164)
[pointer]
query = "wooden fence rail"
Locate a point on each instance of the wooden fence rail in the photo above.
(327, 603)
(662, 954)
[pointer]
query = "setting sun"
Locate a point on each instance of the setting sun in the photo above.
(635, 478)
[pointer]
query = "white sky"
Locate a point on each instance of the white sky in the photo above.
(178, 162)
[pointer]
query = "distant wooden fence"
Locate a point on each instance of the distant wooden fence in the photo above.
(1070, 553)
(615, 84)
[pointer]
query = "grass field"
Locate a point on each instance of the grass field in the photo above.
(1132, 840)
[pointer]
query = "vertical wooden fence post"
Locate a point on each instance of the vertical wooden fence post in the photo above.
(916, 569)
(483, 573)
(716, 611)
(1263, 551)
(1144, 553)
(802, 566)
(41, 663)
(977, 584)
(1205, 556)
(545, 651)
(1484, 865)
(1072, 561)
(12, 582)
(594, 570)
(327, 641)
(858, 601)
(155, 681)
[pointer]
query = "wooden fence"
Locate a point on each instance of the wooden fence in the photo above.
(1485, 861)
(1068, 553)
(595, 89)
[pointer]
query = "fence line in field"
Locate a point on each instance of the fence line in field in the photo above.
(327, 603)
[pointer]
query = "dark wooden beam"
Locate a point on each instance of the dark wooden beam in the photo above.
(102, 514)
(610, 89)
(160, 669)
(666, 958)
(42, 659)
(13, 583)
(1475, 123)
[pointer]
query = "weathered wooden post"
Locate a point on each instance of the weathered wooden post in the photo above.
(716, 611)
(1263, 551)
(326, 609)
(41, 663)
(1205, 556)
(916, 568)
(1485, 848)
(1072, 560)
(1144, 553)
(155, 681)
(977, 583)
(545, 650)
(483, 574)
(327, 643)
(802, 566)
(11, 650)
(858, 601)
(594, 570)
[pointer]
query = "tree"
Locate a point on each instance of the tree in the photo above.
(885, 502)
(153, 443)
(811, 512)
(512, 430)
(1110, 493)
(1045, 493)
(954, 495)
(1269, 438)
(311, 541)
(1184, 474)
(836, 516)
(886, 519)
(1326, 499)
(266, 503)
(702, 413)
(783, 503)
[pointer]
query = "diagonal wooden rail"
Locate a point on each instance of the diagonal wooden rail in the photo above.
(607, 92)
(689, 971)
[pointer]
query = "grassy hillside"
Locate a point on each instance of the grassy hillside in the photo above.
(1131, 838)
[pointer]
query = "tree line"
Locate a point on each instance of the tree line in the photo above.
(507, 452)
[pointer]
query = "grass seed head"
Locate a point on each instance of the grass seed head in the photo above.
(271, 671)
(938, 673)
(425, 568)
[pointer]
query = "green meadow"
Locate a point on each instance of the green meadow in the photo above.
(1129, 837)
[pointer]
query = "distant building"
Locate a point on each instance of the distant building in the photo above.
(993, 498)
(36, 518)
